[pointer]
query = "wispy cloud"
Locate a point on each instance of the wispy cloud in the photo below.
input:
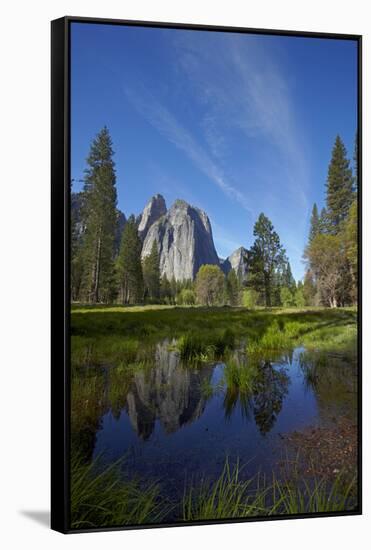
(225, 242)
(242, 87)
(166, 123)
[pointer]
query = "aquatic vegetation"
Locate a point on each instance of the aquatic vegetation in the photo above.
(159, 366)
(241, 376)
(226, 497)
(204, 347)
(103, 350)
(101, 498)
(274, 339)
(191, 346)
(207, 389)
(314, 496)
(232, 495)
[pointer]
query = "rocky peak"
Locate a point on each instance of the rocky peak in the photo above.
(184, 239)
(154, 209)
(238, 261)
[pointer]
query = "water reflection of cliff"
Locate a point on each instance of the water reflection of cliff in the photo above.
(168, 392)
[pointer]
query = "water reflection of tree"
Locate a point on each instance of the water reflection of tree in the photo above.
(265, 397)
(271, 387)
(87, 408)
(233, 397)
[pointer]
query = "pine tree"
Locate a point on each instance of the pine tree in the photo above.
(232, 288)
(323, 221)
(129, 265)
(76, 242)
(309, 289)
(99, 219)
(339, 187)
(267, 255)
(165, 289)
(151, 273)
(287, 277)
(355, 163)
(351, 248)
(314, 223)
(173, 288)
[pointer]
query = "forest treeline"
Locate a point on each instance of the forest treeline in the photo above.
(331, 255)
(107, 269)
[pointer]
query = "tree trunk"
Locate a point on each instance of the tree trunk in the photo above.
(97, 271)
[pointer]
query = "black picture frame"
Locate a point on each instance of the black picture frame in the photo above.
(60, 261)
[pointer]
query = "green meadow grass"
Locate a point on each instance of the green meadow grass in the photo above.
(101, 498)
(104, 333)
(231, 495)
(123, 340)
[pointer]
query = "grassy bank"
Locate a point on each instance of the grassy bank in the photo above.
(114, 334)
(100, 497)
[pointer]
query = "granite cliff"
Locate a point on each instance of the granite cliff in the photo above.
(184, 239)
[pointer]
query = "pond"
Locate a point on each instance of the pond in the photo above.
(176, 422)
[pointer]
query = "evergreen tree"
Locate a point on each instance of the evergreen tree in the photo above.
(76, 242)
(287, 277)
(339, 187)
(99, 219)
(151, 273)
(232, 288)
(129, 266)
(355, 163)
(323, 222)
(351, 248)
(314, 223)
(165, 289)
(174, 289)
(287, 297)
(267, 255)
(310, 289)
(299, 297)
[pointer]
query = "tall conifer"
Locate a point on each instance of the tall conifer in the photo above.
(314, 223)
(339, 187)
(129, 266)
(99, 219)
(151, 273)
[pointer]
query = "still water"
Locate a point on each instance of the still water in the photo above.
(175, 422)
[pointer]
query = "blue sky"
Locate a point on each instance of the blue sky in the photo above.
(236, 124)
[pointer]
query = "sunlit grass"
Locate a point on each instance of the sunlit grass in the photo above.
(204, 346)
